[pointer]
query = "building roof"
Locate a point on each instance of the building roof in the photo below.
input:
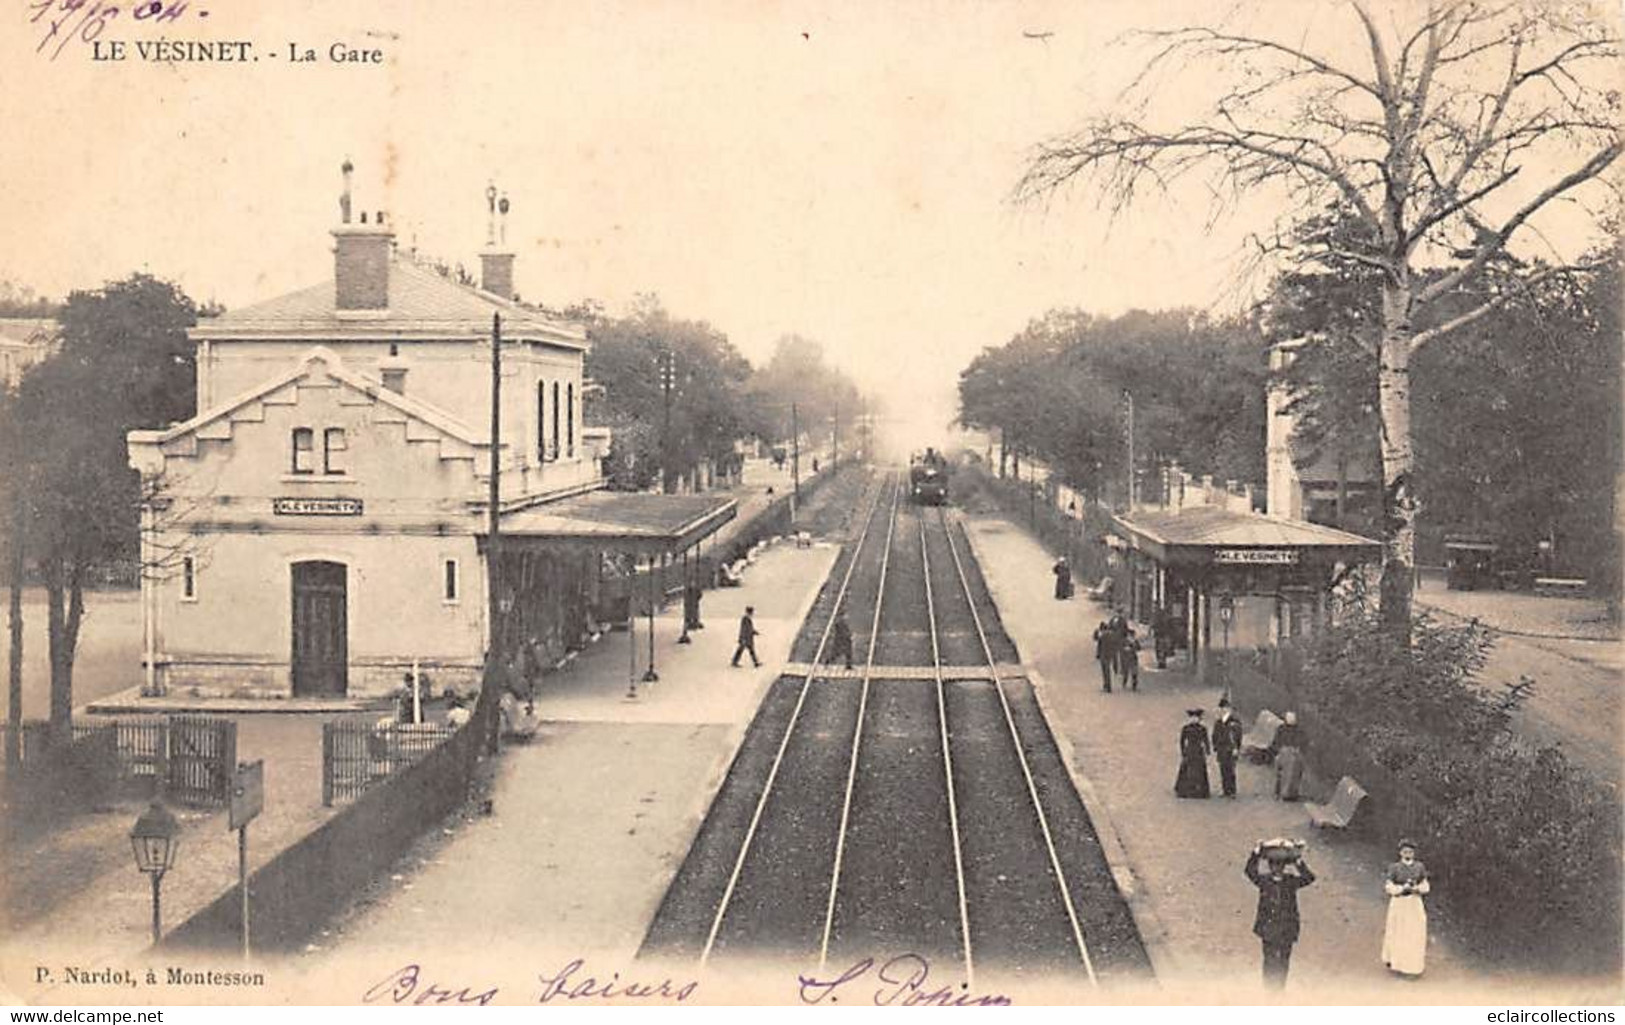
(448, 426)
(622, 519)
(422, 304)
(27, 331)
(1212, 526)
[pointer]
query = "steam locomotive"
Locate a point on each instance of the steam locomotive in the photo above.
(928, 479)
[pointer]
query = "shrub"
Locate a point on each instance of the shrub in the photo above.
(1525, 844)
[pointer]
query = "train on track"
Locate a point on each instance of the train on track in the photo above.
(928, 479)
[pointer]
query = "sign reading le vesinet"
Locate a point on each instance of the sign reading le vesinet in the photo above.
(1255, 556)
(316, 506)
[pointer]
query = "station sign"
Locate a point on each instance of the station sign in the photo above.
(316, 506)
(1256, 556)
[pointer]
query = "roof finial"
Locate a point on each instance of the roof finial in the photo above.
(491, 213)
(344, 197)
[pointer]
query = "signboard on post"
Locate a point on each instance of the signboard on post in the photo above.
(247, 793)
(247, 801)
(1227, 607)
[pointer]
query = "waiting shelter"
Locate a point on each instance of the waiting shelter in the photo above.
(1239, 576)
(563, 545)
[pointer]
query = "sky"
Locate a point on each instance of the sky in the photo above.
(840, 170)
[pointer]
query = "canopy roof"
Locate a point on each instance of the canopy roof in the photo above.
(1214, 535)
(621, 520)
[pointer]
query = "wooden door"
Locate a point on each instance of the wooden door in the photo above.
(320, 634)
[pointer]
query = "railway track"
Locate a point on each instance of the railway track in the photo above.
(915, 804)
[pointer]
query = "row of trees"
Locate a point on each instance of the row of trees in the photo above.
(1058, 392)
(69, 499)
(1442, 132)
(676, 392)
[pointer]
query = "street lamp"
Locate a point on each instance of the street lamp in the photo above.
(154, 839)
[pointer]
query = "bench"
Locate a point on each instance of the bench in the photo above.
(1560, 585)
(1261, 737)
(1339, 811)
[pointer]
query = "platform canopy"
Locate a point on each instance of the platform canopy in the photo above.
(620, 521)
(1210, 536)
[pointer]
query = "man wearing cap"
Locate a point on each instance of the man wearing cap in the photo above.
(1226, 743)
(747, 638)
(1276, 923)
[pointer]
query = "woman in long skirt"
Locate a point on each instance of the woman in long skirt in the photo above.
(1405, 941)
(1288, 750)
(1193, 749)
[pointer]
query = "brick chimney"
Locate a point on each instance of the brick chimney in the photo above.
(496, 273)
(496, 261)
(361, 254)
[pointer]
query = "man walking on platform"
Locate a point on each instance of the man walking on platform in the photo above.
(747, 638)
(1226, 743)
(1105, 654)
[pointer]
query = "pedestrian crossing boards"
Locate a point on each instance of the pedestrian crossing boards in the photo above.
(838, 672)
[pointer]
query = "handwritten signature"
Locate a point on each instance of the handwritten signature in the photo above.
(85, 20)
(408, 986)
(900, 982)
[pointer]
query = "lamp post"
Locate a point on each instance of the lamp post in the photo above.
(153, 837)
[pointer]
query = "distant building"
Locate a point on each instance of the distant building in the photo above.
(320, 525)
(1334, 489)
(24, 341)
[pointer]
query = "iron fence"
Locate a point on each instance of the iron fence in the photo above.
(357, 755)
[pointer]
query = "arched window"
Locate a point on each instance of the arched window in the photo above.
(541, 421)
(555, 419)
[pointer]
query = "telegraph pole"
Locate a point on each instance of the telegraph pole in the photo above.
(835, 453)
(1129, 396)
(668, 371)
(485, 714)
(795, 455)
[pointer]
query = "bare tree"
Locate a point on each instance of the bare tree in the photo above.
(1443, 137)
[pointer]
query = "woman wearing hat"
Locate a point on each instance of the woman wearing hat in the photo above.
(1405, 941)
(1288, 751)
(1193, 749)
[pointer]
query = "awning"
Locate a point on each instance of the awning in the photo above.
(619, 521)
(1214, 536)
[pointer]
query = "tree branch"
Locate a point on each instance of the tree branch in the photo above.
(1422, 338)
(1488, 247)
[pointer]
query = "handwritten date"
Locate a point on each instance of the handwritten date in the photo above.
(64, 22)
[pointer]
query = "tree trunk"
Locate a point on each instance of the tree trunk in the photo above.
(14, 659)
(61, 690)
(1399, 505)
(1004, 453)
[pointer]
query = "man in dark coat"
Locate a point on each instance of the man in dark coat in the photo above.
(1276, 923)
(747, 638)
(1105, 654)
(1063, 579)
(1162, 634)
(1226, 744)
(840, 640)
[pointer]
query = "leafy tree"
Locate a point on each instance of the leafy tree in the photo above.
(1057, 391)
(629, 359)
(1421, 141)
(825, 401)
(125, 363)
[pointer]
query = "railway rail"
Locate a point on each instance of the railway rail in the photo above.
(914, 804)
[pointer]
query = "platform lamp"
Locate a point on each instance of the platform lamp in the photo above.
(153, 838)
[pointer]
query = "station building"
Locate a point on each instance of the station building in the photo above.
(318, 528)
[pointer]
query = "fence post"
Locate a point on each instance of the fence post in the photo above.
(327, 765)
